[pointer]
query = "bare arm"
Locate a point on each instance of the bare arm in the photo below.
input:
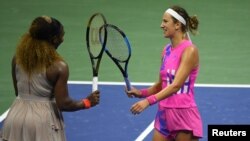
(155, 88)
(13, 71)
(58, 75)
(189, 60)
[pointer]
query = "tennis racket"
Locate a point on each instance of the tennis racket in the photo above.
(94, 44)
(118, 49)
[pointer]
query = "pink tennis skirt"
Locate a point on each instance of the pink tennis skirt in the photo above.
(169, 121)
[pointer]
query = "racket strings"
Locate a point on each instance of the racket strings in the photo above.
(116, 45)
(95, 43)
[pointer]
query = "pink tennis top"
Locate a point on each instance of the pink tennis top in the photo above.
(184, 98)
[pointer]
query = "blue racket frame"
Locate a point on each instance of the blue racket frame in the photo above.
(124, 70)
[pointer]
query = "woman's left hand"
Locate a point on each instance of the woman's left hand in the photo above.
(139, 106)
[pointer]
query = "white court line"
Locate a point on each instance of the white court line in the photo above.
(150, 127)
(145, 132)
(150, 83)
(144, 84)
(110, 83)
(3, 116)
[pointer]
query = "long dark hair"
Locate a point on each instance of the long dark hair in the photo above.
(36, 50)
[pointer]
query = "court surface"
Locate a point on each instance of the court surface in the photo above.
(111, 120)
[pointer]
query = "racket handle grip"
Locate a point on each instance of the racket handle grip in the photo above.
(95, 84)
(127, 83)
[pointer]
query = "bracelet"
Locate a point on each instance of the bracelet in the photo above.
(86, 103)
(152, 99)
(144, 92)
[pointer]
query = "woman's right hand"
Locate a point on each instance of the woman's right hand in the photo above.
(133, 93)
(94, 98)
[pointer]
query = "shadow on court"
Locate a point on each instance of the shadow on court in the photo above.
(111, 119)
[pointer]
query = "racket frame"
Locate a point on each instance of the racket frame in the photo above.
(124, 70)
(95, 65)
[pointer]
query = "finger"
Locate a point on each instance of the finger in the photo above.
(97, 95)
(96, 92)
(135, 112)
(135, 109)
(129, 95)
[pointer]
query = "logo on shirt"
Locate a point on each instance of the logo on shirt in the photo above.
(170, 75)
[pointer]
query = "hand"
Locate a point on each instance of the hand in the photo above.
(94, 98)
(139, 106)
(133, 92)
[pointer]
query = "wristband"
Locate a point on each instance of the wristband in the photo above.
(152, 99)
(144, 92)
(86, 103)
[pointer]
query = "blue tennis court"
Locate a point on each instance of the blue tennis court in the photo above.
(112, 120)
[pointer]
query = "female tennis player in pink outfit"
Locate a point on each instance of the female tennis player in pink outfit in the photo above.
(178, 118)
